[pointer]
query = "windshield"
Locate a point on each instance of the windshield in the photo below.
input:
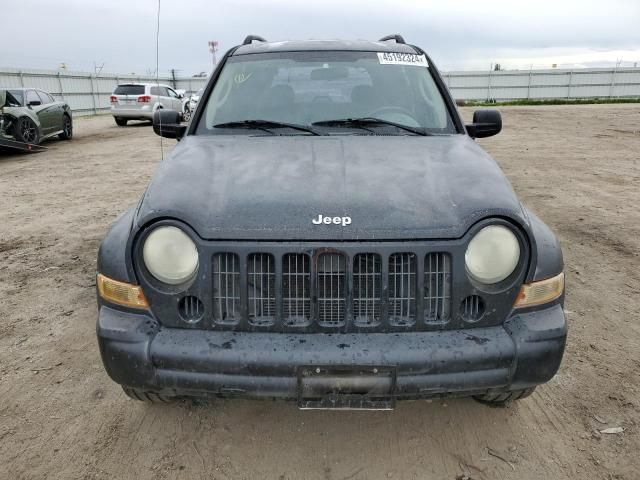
(304, 88)
(18, 98)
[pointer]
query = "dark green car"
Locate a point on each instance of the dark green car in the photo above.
(30, 116)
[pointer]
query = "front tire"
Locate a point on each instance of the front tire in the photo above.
(504, 398)
(26, 131)
(146, 396)
(67, 128)
(121, 122)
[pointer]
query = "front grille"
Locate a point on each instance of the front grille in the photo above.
(261, 282)
(326, 289)
(226, 287)
(331, 288)
(402, 288)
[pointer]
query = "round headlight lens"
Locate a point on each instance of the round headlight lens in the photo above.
(170, 255)
(492, 254)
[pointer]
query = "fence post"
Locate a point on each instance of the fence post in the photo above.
(93, 95)
(60, 84)
(529, 84)
(613, 80)
(489, 85)
(21, 78)
(570, 82)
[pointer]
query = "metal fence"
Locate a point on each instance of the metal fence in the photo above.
(545, 84)
(88, 93)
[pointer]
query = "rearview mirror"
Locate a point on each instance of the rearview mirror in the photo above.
(166, 123)
(329, 73)
(486, 123)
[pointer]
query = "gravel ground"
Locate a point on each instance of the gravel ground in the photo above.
(62, 417)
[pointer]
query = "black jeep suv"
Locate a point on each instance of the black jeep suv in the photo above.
(327, 230)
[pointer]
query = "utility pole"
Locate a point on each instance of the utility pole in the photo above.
(173, 77)
(213, 48)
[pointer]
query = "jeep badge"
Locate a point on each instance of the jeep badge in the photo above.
(344, 221)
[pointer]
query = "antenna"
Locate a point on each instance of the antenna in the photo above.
(158, 74)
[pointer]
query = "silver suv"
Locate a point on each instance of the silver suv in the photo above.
(139, 101)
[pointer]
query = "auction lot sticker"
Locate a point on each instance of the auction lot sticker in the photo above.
(394, 58)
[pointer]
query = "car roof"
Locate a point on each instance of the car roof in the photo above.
(324, 45)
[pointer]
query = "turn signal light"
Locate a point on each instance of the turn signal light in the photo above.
(121, 293)
(114, 99)
(538, 293)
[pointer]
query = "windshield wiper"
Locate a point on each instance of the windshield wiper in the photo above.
(266, 125)
(364, 121)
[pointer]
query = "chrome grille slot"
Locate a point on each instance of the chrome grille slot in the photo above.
(261, 279)
(472, 308)
(402, 288)
(296, 293)
(367, 284)
(190, 309)
(331, 287)
(226, 288)
(437, 287)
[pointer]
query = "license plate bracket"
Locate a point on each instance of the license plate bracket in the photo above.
(366, 387)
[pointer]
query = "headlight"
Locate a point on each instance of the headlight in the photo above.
(492, 254)
(170, 255)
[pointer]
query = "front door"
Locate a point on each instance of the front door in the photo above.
(34, 102)
(52, 111)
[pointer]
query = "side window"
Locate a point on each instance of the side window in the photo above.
(155, 91)
(172, 93)
(32, 96)
(164, 92)
(45, 97)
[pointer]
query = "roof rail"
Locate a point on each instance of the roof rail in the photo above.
(396, 37)
(250, 39)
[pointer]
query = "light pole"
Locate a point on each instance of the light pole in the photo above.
(213, 48)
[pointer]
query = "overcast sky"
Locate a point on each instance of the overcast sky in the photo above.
(458, 35)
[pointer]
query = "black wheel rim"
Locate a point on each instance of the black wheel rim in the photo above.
(67, 127)
(28, 131)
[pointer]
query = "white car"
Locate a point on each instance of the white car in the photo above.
(139, 101)
(190, 105)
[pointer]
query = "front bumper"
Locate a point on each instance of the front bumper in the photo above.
(137, 352)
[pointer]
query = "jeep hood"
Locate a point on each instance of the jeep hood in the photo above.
(271, 187)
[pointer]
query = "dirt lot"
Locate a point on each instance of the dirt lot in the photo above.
(62, 417)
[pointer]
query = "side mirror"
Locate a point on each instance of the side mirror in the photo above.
(34, 103)
(486, 123)
(166, 123)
